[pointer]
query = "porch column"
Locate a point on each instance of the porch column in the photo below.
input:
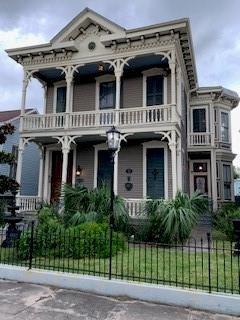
(46, 191)
(115, 174)
(172, 66)
(179, 90)
(20, 161)
(214, 178)
(173, 148)
(179, 164)
(41, 166)
(65, 151)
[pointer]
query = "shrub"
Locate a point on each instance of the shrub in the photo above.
(223, 219)
(173, 220)
(87, 240)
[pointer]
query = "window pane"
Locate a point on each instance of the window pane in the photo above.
(227, 182)
(224, 127)
(154, 90)
(199, 120)
(61, 99)
(107, 95)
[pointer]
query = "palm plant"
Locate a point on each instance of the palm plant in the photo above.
(173, 220)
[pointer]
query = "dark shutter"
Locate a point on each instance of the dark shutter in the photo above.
(199, 120)
(154, 90)
(155, 173)
(61, 99)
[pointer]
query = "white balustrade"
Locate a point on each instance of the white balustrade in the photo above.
(199, 139)
(135, 207)
(27, 203)
(101, 118)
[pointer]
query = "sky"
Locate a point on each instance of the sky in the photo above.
(215, 31)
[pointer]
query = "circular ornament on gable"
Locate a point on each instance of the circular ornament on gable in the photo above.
(91, 45)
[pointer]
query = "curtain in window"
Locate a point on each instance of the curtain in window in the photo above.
(199, 120)
(224, 127)
(154, 90)
(61, 99)
(107, 95)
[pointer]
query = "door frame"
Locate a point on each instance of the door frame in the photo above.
(154, 144)
(192, 174)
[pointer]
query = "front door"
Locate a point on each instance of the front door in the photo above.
(155, 173)
(104, 168)
(56, 179)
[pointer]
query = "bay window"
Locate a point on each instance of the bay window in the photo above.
(199, 120)
(227, 194)
(224, 127)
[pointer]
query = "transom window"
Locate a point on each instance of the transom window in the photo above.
(154, 90)
(61, 99)
(199, 120)
(227, 194)
(107, 95)
(224, 126)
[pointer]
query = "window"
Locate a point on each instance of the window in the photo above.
(199, 120)
(154, 90)
(107, 95)
(224, 127)
(61, 99)
(227, 195)
(13, 165)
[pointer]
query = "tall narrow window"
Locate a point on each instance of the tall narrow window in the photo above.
(13, 165)
(154, 90)
(224, 127)
(227, 194)
(61, 99)
(199, 120)
(107, 95)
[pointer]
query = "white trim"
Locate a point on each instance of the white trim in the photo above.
(208, 174)
(206, 107)
(101, 79)
(154, 72)
(56, 85)
(150, 145)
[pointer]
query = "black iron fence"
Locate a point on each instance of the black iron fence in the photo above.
(204, 264)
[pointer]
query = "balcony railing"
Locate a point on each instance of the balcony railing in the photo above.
(102, 118)
(27, 203)
(200, 139)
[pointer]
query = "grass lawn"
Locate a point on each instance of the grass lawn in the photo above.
(142, 263)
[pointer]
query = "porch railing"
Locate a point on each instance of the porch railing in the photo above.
(199, 139)
(135, 207)
(102, 118)
(27, 203)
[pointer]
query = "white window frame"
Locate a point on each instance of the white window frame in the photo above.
(152, 145)
(101, 79)
(222, 110)
(207, 117)
(154, 72)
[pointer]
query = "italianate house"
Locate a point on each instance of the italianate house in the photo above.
(96, 74)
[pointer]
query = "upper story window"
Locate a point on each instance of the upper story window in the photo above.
(227, 194)
(107, 95)
(225, 127)
(154, 95)
(199, 120)
(61, 99)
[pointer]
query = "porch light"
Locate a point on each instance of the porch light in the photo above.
(113, 139)
(78, 171)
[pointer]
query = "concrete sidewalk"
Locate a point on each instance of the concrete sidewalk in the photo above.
(27, 301)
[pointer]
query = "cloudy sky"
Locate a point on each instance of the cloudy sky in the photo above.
(215, 29)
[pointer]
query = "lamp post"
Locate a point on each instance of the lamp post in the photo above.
(113, 143)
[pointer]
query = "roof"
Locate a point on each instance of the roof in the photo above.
(9, 115)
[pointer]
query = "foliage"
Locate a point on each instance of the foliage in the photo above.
(236, 172)
(223, 219)
(83, 205)
(2, 209)
(89, 240)
(6, 183)
(173, 220)
(47, 214)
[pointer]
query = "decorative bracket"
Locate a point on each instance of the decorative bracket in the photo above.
(118, 64)
(66, 142)
(69, 71)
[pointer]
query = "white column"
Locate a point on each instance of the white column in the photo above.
(20, 161)
(74, 165)
(44, 86)
(214, 178)
(172, 66)
(23, 101)
(40, 177)
(46, 191)
(115, 173)
(179, 164)
(65, 152)
(173, 148)
(179, 91)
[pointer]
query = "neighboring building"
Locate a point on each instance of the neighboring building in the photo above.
(30, 161)
(237, 187)
(144, 81)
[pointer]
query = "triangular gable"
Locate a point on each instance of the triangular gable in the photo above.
(83, 21)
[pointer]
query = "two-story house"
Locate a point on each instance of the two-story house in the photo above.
(30, 160)
(97, 74)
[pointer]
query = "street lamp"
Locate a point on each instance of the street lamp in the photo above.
(113, 143)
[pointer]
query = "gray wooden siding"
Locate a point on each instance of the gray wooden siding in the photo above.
(49, 99)
(132, 92)
(84, 97)
(85, 159)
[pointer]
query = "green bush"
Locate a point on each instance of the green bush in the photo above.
(87, 240)
(223, 219)
(173, 220)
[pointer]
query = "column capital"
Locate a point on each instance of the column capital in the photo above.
(118, 65)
